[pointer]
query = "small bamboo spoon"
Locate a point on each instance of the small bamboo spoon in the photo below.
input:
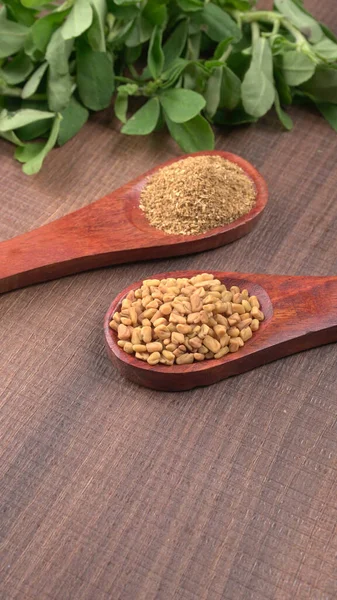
(300, 313)
(110, 231)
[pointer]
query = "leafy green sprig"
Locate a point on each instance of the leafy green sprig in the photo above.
(180, 64)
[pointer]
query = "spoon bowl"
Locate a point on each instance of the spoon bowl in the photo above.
(300, 313)
(113, 230)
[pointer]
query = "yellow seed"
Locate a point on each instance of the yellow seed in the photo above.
(177, 338)
(139, 347)
(255, 324)
(171, 347)
(203, 350)
(155, 316)
(212, 344)
(124, 332)
(198, 356)
(196, 302)
(235, 289)
(154, 358)
(148, 314)
(233, 332)
(246, 334)
(224, 340)
(126, 321)
(146, 334)
(160, 321)
(117, 318)
(154, 347)
(221, 320)
(244, 324)
(222, 352)
(154, 282)
(246, 305)
(257, 314)
(174, 318)
(128, 348)
(184, 359)
(142, 355)
(220, 330)
(195, 342)
(209, 355)
(234, 344)
(237, 308)
(136, 335)
(113, 325)
(254, 302)
(183, 328)
(121, 343)
(165, 309)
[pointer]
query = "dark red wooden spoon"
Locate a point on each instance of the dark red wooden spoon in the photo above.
(110, 231)
(300, 313)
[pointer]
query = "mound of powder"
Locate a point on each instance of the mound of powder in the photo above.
(197, 194)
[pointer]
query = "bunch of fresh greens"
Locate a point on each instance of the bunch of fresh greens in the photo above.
(183, 64)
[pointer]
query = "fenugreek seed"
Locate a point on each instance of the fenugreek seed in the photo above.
(154, 347)
(253, 301)
(195, 342)
(139, 348)
(234, 289)
(148, 314)
(128, 348)
(234, 319)
(178, 307)
(237, 308)
(184, 328)
(154, 304)
(178, 352)
(211, 298)
(131, 296)
(126, 303)
(169, 355)
(245, 294)
(221, 320)
(204, 330)
(245, 316)
(146, 323)
(145, 290)
(172, 327)
(234, 344)
(237, 298)
(203, 350)
(126, 321)
(204, 316)
(154, 358)
(222, 352)
(160, 321)
(174, 318)
(246, 334)
(209, 307)
(184, 359)
(257, 314)
(198, 356)
(121, 343)
(117, 318)
(241, 342)
(195, 329)
(154, 282)
(255, 324)
(196, 302)
(227, 296)
(156, 315)
(124, 332)
(171, 347)
(233, 332)
(162, 332)
(224, 340)
(165, 309)
(146, 300)
(220, 307)
(133, 315)
(212, 322)
(209, 355)
(220, 330)
(193, 318)
(212, 344)
(146, 334)
(229, 310)
(142, 355)
(246, 305)
(138, 293)
(177, 338)
(136, 335)
(113, 325)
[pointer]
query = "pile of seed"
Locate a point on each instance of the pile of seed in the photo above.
(196, 194)
(185, 320)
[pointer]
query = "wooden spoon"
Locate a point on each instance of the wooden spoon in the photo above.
(112, 230)
(300, 313)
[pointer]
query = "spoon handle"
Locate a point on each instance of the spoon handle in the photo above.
(94, 236)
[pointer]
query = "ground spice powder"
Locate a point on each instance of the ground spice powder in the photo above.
(197, 194)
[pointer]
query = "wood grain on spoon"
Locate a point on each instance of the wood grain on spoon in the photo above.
(300, 313)
(113, 230)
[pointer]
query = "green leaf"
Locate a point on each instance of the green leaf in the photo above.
(78, 20)
(282, 115)
(175, 44)
(170, 76)
(219, 25)
(329, 112)
(33, 3)
(258, 92)
(329, 34)
(11, 137)
(323, 85)
(230, 94)
(326, 49)
(212, 92)
(282, 87)
(59, 87)
(121, 106)
(192, 136)
(44, 28)
(34, 157)
(190, 5)
(155, 12)
(301, 19)
(95, 78)
(12, 37)
(181, 105)
(222, 47)
(34, 81)
(20, 13)
(140, 32)
(95, 33)
(297, 67)
(73, 119)
(144, 120)
(236, 117)
(13, 120)
(155, 57)
(17, 70)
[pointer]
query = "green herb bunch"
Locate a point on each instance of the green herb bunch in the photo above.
(191, 63)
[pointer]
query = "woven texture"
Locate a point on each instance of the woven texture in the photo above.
(112, 491)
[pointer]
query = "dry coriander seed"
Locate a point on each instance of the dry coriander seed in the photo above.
(191, 328)
(197, 194)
